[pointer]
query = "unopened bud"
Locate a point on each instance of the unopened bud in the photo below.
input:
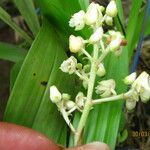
(130, 79)
(86, 68)
(69, 105)
(92, 14)
(76, 43)
(96, 36)
(78, 20)
(80, 100)
(66, 96)
(130, 104)
(109, 20)
(111, 9)
(55, 95)
(101, 70)
(79, 66)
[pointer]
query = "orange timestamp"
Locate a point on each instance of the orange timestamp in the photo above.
(141, 133)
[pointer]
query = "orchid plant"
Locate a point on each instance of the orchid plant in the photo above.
(103, 43)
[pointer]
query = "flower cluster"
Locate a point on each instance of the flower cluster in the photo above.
(140, 89)
(103, 43)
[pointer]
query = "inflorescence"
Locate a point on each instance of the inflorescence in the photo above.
(103, 43)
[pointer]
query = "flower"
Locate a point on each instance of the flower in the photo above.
(78, 20)
(80, 100)
(106, 88)
(132, 99)
(116, 39)
(130, 79)
(142, 86)
(111, 9)
(55, 95)
(69, 105)
(69, 65)
(96, 36)
(130, 104)
(93, 14)
(101, 70)
(109, 20)
(76, 43)
(66, 96)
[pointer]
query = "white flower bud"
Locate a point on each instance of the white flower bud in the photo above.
(69, 105)
(76, 43)
(101, 70)
(130, 104)
(78, 20)
(69, 65)
(144, 78)
(111, 9)
(106, 88)
(80, 100)
(100, 8)
(145, 94)
(116, 39)
(96, 36)
(130, 79)
(109, 20)
(66, 96)
(92, 14)
(55, 95)
(142, 86)
(141, 82)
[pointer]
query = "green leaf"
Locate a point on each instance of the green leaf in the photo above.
(11, 52)
(147, 31)
(122, 136)
(120, 10)
(27, 10)
(8, 20)
(29, 103)
(119, 20)
(14, 73)
(138, 30)
(132, 23)
(84, 4)
(59, 12)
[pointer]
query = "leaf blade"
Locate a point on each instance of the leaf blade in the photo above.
(31, 89)
(7, 19)
(27, 10)
(11, 52)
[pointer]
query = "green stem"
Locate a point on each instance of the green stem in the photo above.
(88, 103)
(112, 98)
(65, 116)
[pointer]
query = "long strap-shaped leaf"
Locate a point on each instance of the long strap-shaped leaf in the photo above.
(11, 52)
(27, 10)
(132, 23)
(7, 19)
(29, 103)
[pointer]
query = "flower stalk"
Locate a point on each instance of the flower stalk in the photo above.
(88, 103)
